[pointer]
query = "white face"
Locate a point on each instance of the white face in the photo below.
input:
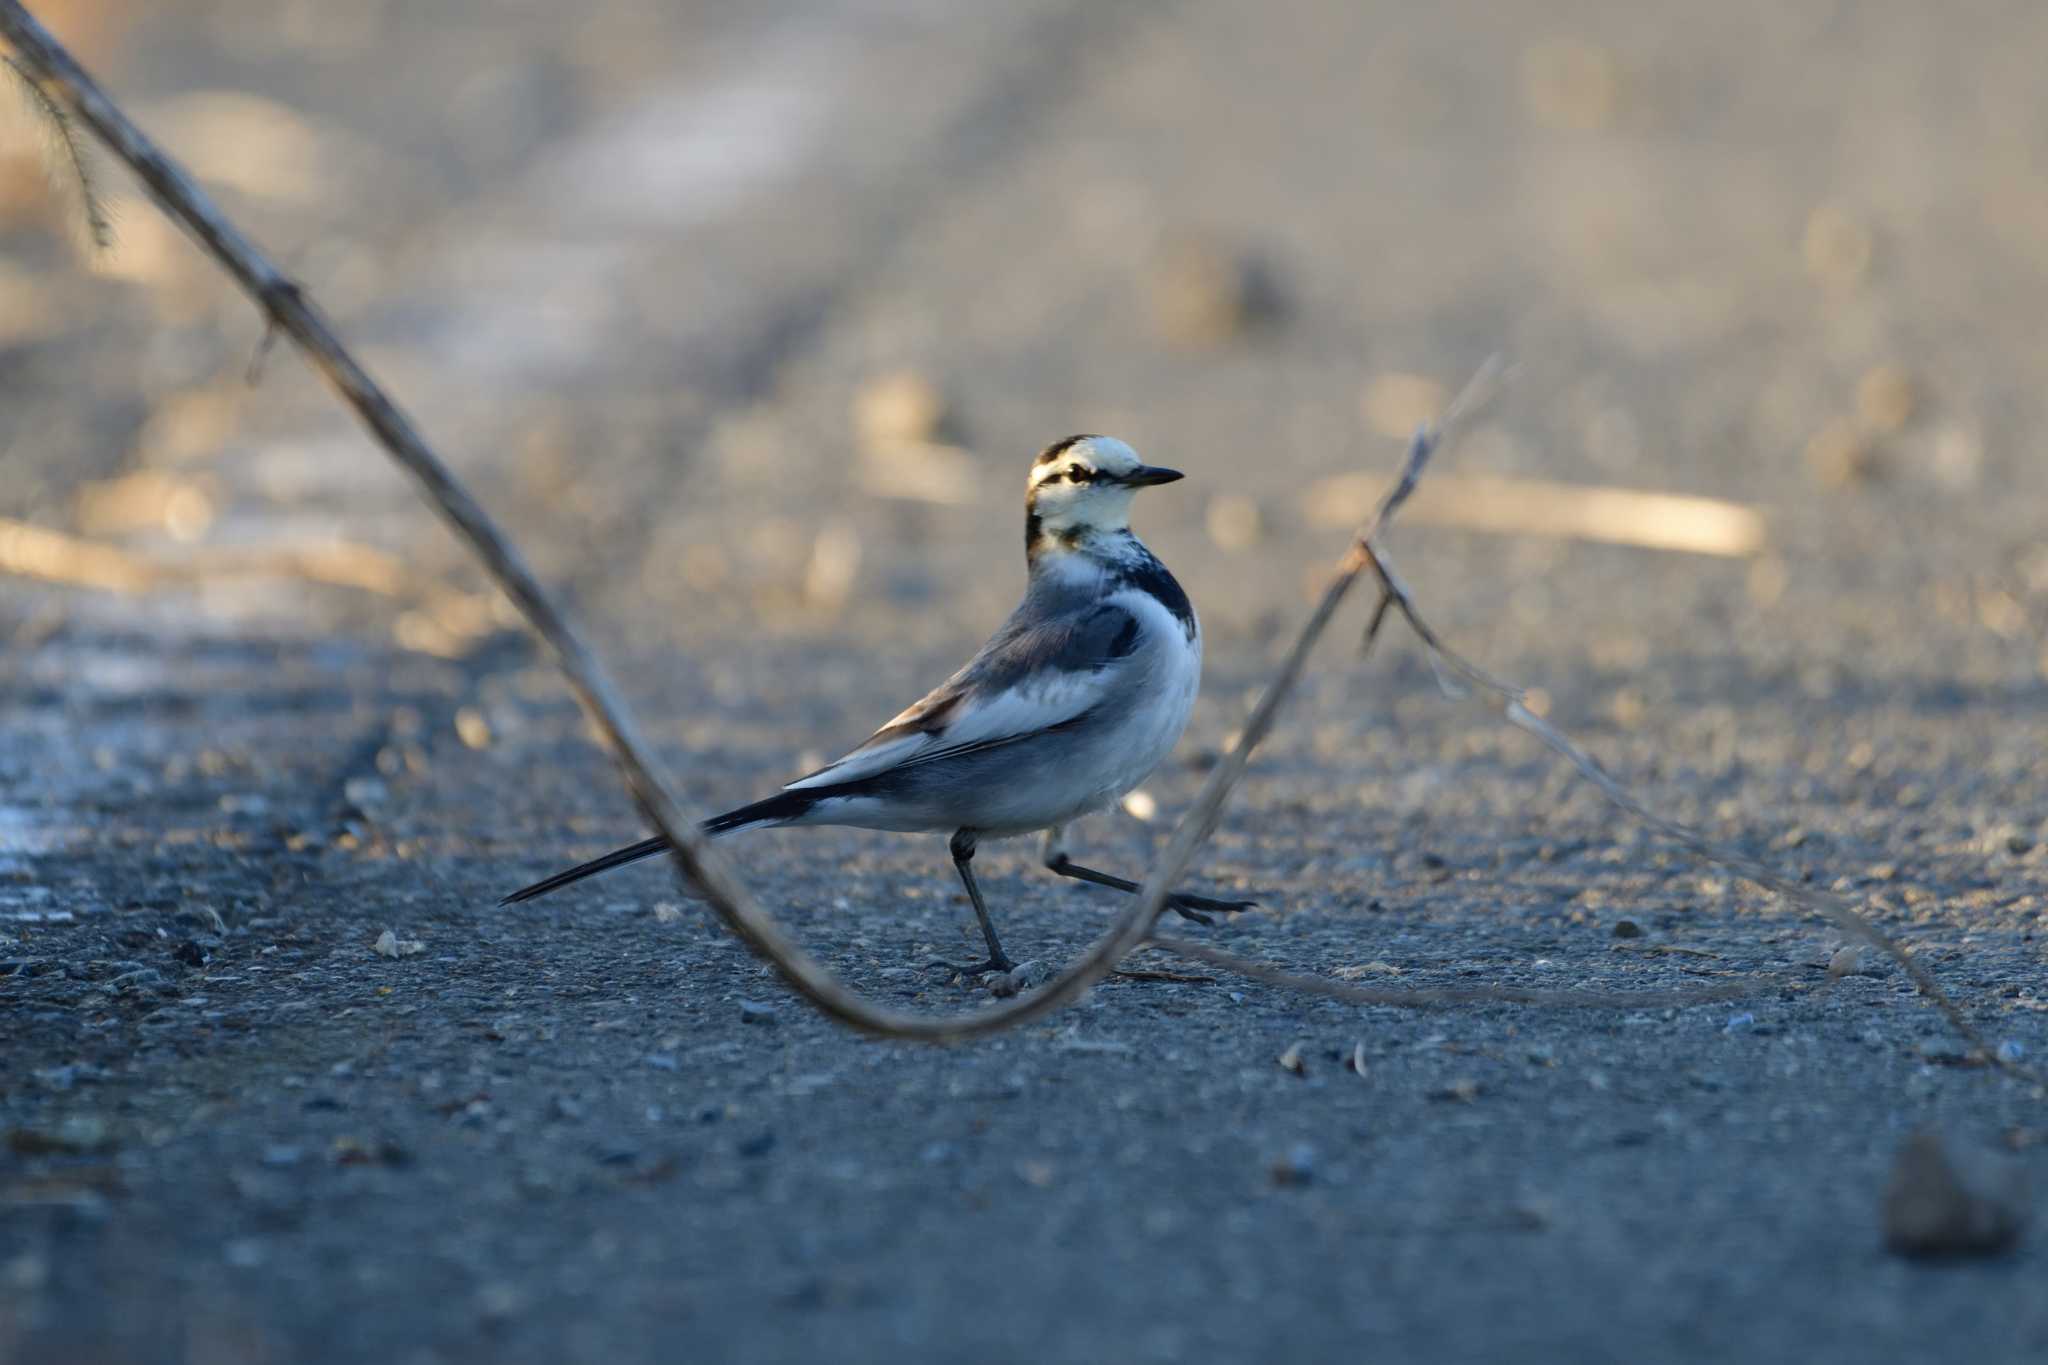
(1086, 483)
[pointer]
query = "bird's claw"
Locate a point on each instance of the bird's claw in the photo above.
(1199, 908)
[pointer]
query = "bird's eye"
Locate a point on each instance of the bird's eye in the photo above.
(1078, 475)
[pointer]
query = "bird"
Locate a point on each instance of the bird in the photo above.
(1073, 702)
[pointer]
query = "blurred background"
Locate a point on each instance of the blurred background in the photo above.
(747, 318)
(755, 312)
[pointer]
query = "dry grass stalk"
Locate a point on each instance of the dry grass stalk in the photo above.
(1537, 507)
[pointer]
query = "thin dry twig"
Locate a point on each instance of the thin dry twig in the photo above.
(1538, 507)
(1508, 700)
(32, 551)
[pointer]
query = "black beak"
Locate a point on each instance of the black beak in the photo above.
(1145, 475)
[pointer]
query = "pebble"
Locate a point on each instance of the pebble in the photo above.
(244, 1253)
(662, 1061)
(1944, 1199)
(754, 1012)
(471, 728)
(1627, 928)
(365, 793)
(1296, 1167)
(1204, 293)
(1234, 521)
(904, 406)
(1290, 1060)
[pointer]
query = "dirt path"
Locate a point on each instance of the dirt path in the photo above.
(635, 272)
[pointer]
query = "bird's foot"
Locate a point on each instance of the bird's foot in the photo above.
(998, 963)
(1199, 908)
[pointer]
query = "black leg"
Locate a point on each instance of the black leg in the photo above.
(962, 849)
(1186, 906)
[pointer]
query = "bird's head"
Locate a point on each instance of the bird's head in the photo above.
(1082, 487)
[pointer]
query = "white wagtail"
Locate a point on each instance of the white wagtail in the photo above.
(1079, 695)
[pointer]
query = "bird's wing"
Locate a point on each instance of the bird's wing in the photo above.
(1033, 676)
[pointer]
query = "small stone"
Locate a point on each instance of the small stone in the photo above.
(2010, 1052)
(1356, 1061)
(1839, 456)
(904, 406)
(1290, 1060)
(1571, 84)
(1021, 977)
(1847, 961)
(471, 728)
(1885, 399)
(365, 793)
(755, 1012)
(1627, 928)
(662, 1061)
(1464, 1090)
(73, 1135)
(245, 1253)
(1234, 521)
(1945, 1200)
(1837, 248)
(190, 953)
(1204, 293)
(142, 978)
(758, 1145)
(1028, 974)
(389, 944)
(498, 1301)
(1739, 1023)
(668, 912)
(1297, 1167)
(25, 1273)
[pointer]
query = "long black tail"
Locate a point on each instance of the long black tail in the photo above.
(777, 809)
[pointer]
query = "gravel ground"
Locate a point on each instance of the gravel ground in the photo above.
(695, 294)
